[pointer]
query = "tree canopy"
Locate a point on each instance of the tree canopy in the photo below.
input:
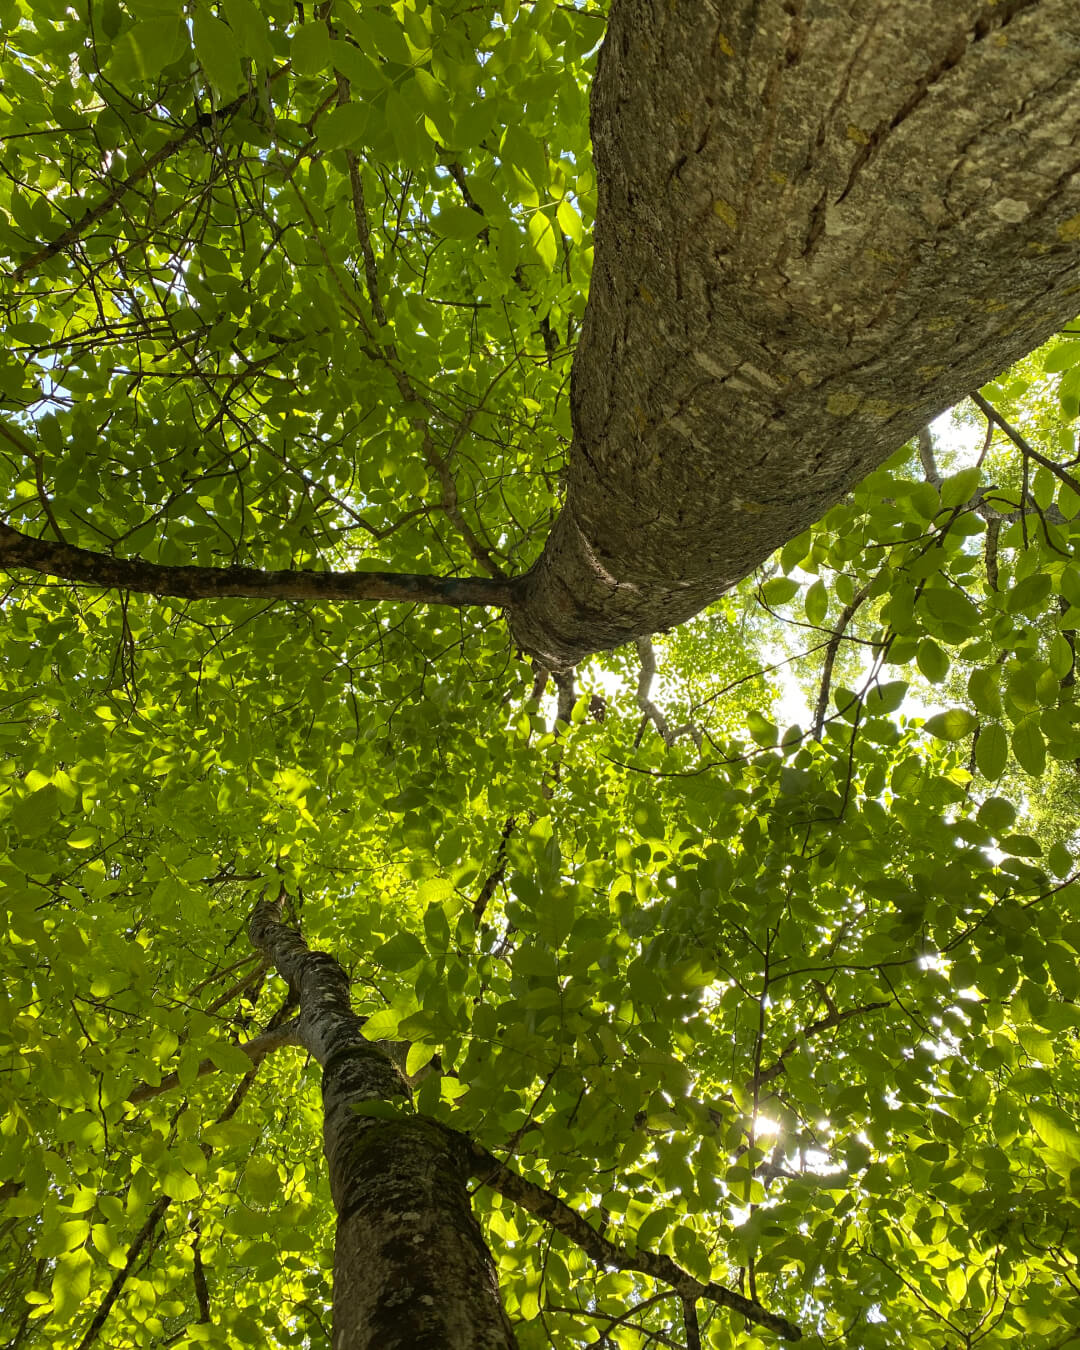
(734, 972)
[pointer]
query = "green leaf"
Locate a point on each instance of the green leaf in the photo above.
(951, 725)
(1027, 595)
(1020, 846)
(63, 1237)
(958, 488)
(458, 222)
(996, 813)
(261, 1181)
(569, 221)
(418, 1057)
(180, 1185)
(525, 152)
(1061, 656)
(932, 661)
(779, 590)
(148, 46)
(382, 1025)
(1021, 690)
(218, 51)
(951, 605)
(653, 1227)
(1055, 1128)
(251, 28)
(816, 602)
(401, 952)
(764, 732)
(343, 126)
(1029, 747)
(310, 52)
(229, 1058)
(1062, 356)
(555, 913)
(956, 1282)
(70, 1282)
(435, 891)
(886, 698)
(924, 500)
(992, 750)
(983, 690)
(543, 239)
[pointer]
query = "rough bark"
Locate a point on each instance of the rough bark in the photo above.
(411, 1270)
(819, 225)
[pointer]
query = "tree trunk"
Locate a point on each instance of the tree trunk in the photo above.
(411, 1269)
(819, 225)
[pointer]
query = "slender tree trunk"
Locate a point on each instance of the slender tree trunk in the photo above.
(411, 1269)
(819, 225)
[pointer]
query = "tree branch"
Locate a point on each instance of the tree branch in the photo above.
(88, 568)
(198, 1273)
(495, 876)
(834, 1019)
(256, 1049)
(650, 712)
(833, 646)
(161, 1204)
(555, 1212)
(204, 122)
(1022, 443)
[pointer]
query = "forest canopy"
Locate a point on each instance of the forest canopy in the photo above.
(709, 933)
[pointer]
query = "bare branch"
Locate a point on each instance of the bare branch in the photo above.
(198, 1275)
(564, 683)
(160, 1205)
(690, 1322)
(927, 459)
(993, 530)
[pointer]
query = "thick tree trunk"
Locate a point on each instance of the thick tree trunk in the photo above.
(820, 224)
(411, 1270)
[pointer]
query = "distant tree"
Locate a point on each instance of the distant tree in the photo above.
(641, 1017)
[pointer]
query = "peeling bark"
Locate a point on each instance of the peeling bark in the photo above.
(411, 1269)
(819, 225)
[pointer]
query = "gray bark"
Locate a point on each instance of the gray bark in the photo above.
(411, 1269)
(819, 225)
